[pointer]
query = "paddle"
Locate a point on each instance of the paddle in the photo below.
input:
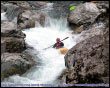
(53, 44)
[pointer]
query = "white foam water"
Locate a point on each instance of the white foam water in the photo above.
(52, 62)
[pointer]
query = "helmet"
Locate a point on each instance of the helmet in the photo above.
(58, 39)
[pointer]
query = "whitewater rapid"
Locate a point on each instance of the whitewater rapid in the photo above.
(52, 63)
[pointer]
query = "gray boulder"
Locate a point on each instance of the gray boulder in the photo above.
(84, 13)
(3, 8)
(8, 26)
(3, 46)
(88, 61)
(14, 63)
(13, 45)
(29, 18)
(25, 20)
(9, 29)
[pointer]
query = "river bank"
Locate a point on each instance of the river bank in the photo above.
(37, 25)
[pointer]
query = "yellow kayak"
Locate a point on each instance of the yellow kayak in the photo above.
(63, 50)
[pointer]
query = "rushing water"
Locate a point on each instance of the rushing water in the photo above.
(51, 61)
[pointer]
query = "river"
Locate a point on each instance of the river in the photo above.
(51, 62)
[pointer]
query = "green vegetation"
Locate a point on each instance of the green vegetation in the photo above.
(72, 8)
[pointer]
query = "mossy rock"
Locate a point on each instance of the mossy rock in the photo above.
(14, 70)
(93, 78)
(14, 46)
(11, 71)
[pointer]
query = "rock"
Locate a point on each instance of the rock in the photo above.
(39, 17)
(37, 4)
(14, 8)
(21, 4)
(8, 26)
(42, 19)
(78, 30)
(25, 20)
(14, 59)
(27, 14)
(13, 63)
(103, 5)
(42, 3)
(88, 14)
(3, 8)
(84, 13)
(12, 11)
(3, 46)
(14, 45)
(61, 9)
(88, 61)
(9, 29)
(94, 30)
(26, 55)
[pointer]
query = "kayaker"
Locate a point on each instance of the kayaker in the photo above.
(58, 44)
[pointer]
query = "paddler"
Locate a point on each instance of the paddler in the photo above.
(58, 44)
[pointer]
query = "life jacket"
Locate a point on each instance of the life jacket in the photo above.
(58, 45)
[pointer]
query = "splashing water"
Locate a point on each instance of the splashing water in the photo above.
(3, 17)
(52, 63)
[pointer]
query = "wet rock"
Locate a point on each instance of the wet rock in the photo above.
(38, 3)
(61, 9)
(103, 5)
(12, 11)
(3, 46)
(96, 29)
(78, 30)
(3, 8)
(42, 19)
(14, 45)
(21, 4)
(14, 8)
(13, 63)
(8, 26)
(9, 29)
(25, 20)
(13, 59)
(88, 61)
(42, 3)
(28, 18)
